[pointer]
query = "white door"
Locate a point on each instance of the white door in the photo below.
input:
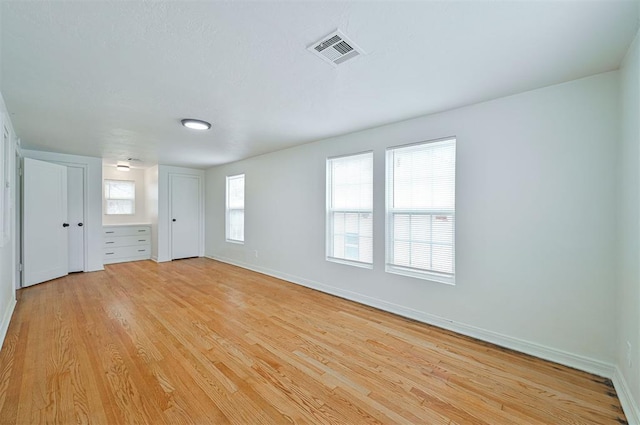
(185, 216)
(75, 211)
(45, 221)
(18, 204)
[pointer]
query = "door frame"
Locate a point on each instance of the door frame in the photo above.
(19, 245)
(200, 212)
(85, 202)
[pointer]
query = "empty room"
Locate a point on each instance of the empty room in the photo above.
(320, 212)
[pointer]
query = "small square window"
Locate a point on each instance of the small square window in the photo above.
(120, 197)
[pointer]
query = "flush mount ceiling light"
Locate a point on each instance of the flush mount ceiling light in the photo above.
(122, 167)
(195, 124)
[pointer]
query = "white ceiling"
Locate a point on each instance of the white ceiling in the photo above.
(113, 79)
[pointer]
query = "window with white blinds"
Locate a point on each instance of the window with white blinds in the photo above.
(235, 208)
(119, 197)
(421, 210)
(350, 209)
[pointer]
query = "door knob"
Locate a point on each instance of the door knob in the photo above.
(80, 224)
(65, 224)
(173, 219)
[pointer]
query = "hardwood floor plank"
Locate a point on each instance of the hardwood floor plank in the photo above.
(197, 342)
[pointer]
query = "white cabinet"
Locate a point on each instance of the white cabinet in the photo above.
(126, 243)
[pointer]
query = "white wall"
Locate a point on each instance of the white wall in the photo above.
(629, 225)
(536, 208)
(164, 225)
(136, 175)
(93, 203)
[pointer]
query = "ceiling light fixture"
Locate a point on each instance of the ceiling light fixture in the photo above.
(195, 124)
(122, 167)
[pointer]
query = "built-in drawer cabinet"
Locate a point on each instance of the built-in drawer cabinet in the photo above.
(126, 243)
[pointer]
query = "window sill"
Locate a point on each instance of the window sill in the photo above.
(419, 274)
(234, 241)
(350, 263)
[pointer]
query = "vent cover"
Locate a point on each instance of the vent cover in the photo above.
(335, 48)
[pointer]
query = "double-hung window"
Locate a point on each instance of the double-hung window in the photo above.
(235, 208)
(350, 209)
(420, 210)
(120, 197)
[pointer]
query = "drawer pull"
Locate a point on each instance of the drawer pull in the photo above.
(110, 232)
(141, 250)
(109, 242)
(109, 253)
(142, 230)
(142, 240)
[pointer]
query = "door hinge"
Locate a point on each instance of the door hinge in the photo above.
(20, 267)
(20, 171)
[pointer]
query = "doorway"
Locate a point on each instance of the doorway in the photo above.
(18, 218)
(53, 213)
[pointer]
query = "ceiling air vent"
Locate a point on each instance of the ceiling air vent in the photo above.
(335, 48)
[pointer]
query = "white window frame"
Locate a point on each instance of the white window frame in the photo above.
(390, 267)
(330, 211)
(228, 210)
(133, 200)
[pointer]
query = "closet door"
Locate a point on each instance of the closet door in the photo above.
(45, 221)
(75, 206)
(185, 216)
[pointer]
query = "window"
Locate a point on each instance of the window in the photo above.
(421, 210)
(350, 209)
(235, 208)
(120, 197)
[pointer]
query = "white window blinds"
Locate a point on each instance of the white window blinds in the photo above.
(120, 197)
(235, 208)
(350, 209)
(421, 210)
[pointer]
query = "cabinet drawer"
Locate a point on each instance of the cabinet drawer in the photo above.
(115, 241)
(126, 251)
(126, 230)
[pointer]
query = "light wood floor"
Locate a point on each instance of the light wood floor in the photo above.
(200, 342)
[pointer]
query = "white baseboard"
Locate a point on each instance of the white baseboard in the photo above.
(6, 319)
(558, 356)
(629, 405)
